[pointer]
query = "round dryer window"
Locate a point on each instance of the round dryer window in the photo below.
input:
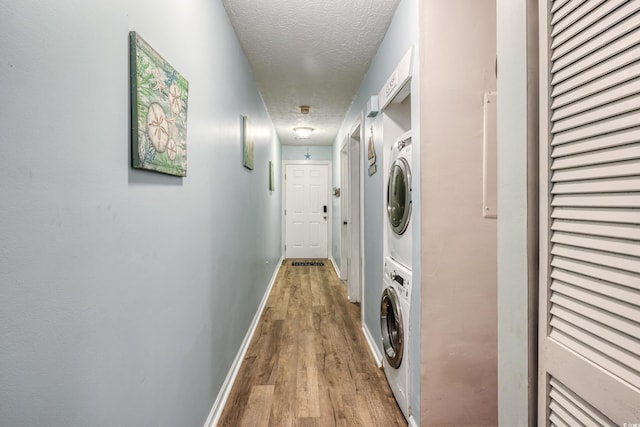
(391, 327)
(399, 195)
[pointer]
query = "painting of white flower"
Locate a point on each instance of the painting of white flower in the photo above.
(157, 127)
(174, 99)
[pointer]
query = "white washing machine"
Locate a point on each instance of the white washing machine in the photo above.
(395, 329)
(399, 204)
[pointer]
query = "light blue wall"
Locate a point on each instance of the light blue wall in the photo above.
(401, 35)
(294, 152)
(125, 294)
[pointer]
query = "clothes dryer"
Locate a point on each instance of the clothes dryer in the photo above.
(399, 201)
(395, 330)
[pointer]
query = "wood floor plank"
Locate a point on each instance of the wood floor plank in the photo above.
(283, 409)
(308, 363)
(265, 345)
(258, 407)
(307, 402)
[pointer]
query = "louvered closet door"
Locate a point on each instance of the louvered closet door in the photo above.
(590, 213)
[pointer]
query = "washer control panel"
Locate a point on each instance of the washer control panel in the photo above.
(399, 276)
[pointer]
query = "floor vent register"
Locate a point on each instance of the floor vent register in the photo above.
(307, 263)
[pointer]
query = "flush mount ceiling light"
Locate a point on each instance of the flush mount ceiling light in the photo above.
(303, 132)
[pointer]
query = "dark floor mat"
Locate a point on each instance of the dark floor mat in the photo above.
(307, 263)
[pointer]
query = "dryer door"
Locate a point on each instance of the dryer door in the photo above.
(399, 195)
(391, 327)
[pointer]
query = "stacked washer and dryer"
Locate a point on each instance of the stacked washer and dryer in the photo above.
(395, 304)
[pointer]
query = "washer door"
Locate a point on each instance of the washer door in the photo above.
(391, 327)
(399, 196)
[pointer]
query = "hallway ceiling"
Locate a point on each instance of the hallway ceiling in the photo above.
(309, 52)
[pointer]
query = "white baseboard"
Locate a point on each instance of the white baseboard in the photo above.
(223, 395)
(335, 267)
(412, 421)
(372, 345)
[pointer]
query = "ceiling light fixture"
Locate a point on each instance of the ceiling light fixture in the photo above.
(303, 132)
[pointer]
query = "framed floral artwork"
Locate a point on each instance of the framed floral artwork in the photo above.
(158, 111)
(247, 143)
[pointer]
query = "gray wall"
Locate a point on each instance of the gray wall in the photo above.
(459, 246)
(125, 294)
(401, 35)
(517, 207)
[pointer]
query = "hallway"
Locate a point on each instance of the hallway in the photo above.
(308, 362)
(131, 296)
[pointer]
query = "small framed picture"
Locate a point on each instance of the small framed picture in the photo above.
(272, 184)
(247, 143)
(371, 154)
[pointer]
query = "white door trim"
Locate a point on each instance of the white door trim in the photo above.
(356, 222)
(345, 225)
(284, 165)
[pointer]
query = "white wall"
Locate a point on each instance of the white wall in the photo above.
(125, 294)
(459, 254)
(400, 37)
(317, 152)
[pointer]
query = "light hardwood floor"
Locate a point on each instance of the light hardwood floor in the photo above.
(308, 363)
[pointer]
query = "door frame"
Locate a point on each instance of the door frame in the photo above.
(352, 195)
(345, 224)
(283, 219)
(356, 202)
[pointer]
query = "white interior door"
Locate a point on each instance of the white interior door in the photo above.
(306, 210)
(589, 339)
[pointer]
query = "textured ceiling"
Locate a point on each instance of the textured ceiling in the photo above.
(309, 52)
